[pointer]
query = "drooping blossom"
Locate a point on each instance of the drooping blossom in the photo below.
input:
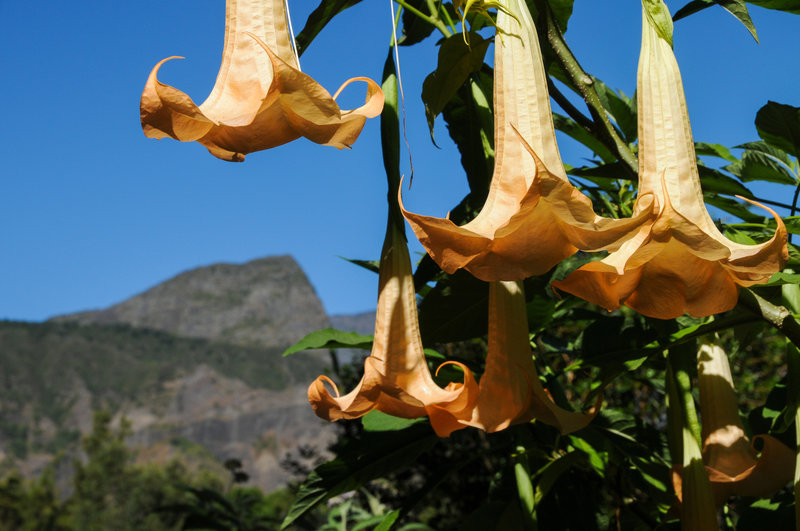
(510, 391)
(680, 262)
(732, 462)
(261, 99)
(533, 217)
(396, 378)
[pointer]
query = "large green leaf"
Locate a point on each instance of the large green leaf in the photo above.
(374, 455)
(470, 123)
(457, 60)
(330, 338)
(415, 29)
(561, 9)
(716, 181)
(737, 8)
(738, 208)
(767, 149)
(378, 421)
(779, 125)
(790, 6)
(757, 166)
(714, 150)
(318, 19)
(621, 108)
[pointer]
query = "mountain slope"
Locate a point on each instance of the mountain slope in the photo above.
(267, 302)
(195, 364)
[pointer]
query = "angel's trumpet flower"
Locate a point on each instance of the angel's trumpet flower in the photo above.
(681, 262)
(510, 391)
(260, 99)
(396, 378)
(732, 462)
(533, 217)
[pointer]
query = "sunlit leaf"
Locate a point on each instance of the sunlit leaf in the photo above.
(457, 60)
(330, 338)
(318, 19)
(737, 8)
(714, 150)
(757, 166)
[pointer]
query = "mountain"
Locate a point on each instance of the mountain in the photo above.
(195, 363)
(267, 302)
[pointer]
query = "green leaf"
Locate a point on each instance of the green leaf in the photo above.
(737, 8)
(374, 455)
(716, 181)
(525, 491)
(613, 170)
(457, 60)
(369, 265)
(547, 476)
(571, 128)
(757, 166)
(415, 29)
(781, 278)
(378, 421)
(789, 6)
(620, 107)
(470, 123)
(388, 521)
(318, 19)
(658, 15)
(330, 338)
(714, 150)
(562, 11)
(733, 206)
(779, 125)
(769, 150)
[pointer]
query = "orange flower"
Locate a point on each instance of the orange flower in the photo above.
(731, 461)
(260, 99)
(510, 391)
(680, 262)
(396, 378)
(533, 217)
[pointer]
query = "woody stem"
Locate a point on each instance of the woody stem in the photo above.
(777, 316)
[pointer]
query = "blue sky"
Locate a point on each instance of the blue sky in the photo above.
(92, 212)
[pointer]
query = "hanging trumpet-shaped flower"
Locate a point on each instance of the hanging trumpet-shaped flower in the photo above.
(533, 217)
(260, 99)
(731, 461)
(510, 391)
(396, 378)
(680, 263)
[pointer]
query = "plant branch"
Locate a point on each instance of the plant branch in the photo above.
(573, 112)
(430, 19)
(585, 86)
(777, 316)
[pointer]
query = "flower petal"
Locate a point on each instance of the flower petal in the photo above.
(396, 379)
(261, 99)
(681, 262)
(510, 391)
(533, 217)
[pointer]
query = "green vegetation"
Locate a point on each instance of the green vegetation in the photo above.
(46, 364)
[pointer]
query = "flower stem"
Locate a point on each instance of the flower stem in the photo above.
(432, 19)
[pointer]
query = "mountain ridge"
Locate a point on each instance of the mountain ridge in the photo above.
(194, 360)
